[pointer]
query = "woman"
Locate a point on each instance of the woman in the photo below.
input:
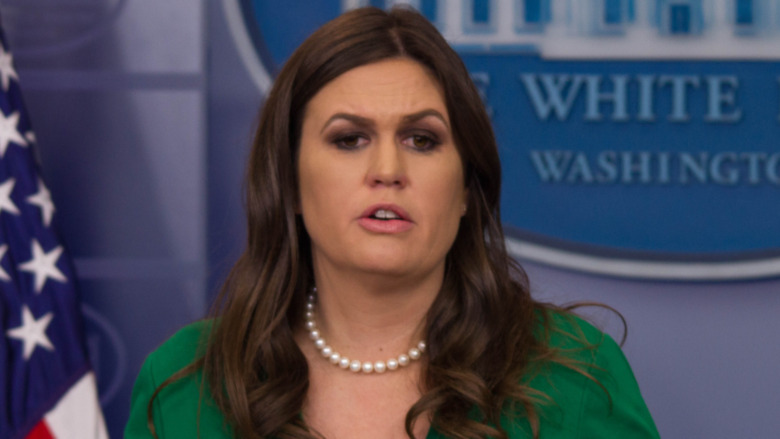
(372, 197)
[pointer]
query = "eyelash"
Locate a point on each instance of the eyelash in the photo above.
(340, 140)
(432, 142)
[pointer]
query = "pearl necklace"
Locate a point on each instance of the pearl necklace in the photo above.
(355, 365)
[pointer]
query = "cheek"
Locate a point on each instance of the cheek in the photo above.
(447, 197)
(313, 202)
(322, 189)
(312, 197)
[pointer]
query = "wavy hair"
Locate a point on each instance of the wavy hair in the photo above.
(482, 329)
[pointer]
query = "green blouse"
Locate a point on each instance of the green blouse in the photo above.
(580, 408)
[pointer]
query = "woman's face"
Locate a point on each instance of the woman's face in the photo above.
(380, 178)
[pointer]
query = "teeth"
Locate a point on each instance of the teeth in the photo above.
(386, 214)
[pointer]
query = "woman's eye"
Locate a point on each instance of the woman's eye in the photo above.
(350, 141)
(421, 142)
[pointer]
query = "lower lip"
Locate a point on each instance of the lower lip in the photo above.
(385, 226)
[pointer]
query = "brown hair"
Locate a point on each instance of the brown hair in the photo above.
(481, 327)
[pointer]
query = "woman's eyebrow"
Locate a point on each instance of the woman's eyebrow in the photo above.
(357, 120)
(368, 123)
(425, 113)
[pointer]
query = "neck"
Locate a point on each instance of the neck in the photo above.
(372, 316)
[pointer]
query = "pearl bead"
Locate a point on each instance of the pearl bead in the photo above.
(355, 365)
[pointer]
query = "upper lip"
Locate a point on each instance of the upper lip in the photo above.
(391, 207)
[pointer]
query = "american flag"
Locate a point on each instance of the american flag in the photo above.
(47, 387)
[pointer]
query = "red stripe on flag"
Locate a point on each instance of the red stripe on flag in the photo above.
(40, 431)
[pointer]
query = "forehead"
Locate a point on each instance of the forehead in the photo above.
(381, 89)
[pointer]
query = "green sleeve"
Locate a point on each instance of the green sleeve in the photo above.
(605, 402)
(184, 409)
(623, 413)
(137, 425)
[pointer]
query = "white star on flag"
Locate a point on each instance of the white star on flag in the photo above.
(7, 68)
(32, 332)
(9, 131)
(41, 199)
(3, 275)
(6, 203)
(44, 265)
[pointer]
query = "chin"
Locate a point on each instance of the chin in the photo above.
(386, 267)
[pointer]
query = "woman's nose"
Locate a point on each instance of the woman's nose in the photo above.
(387, 166)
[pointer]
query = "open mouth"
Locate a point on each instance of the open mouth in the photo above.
(386, 219)
(385, 215)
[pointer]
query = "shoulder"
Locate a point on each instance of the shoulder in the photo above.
(569, 331)
(588, 389)
(184, 407)
(181, 349)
